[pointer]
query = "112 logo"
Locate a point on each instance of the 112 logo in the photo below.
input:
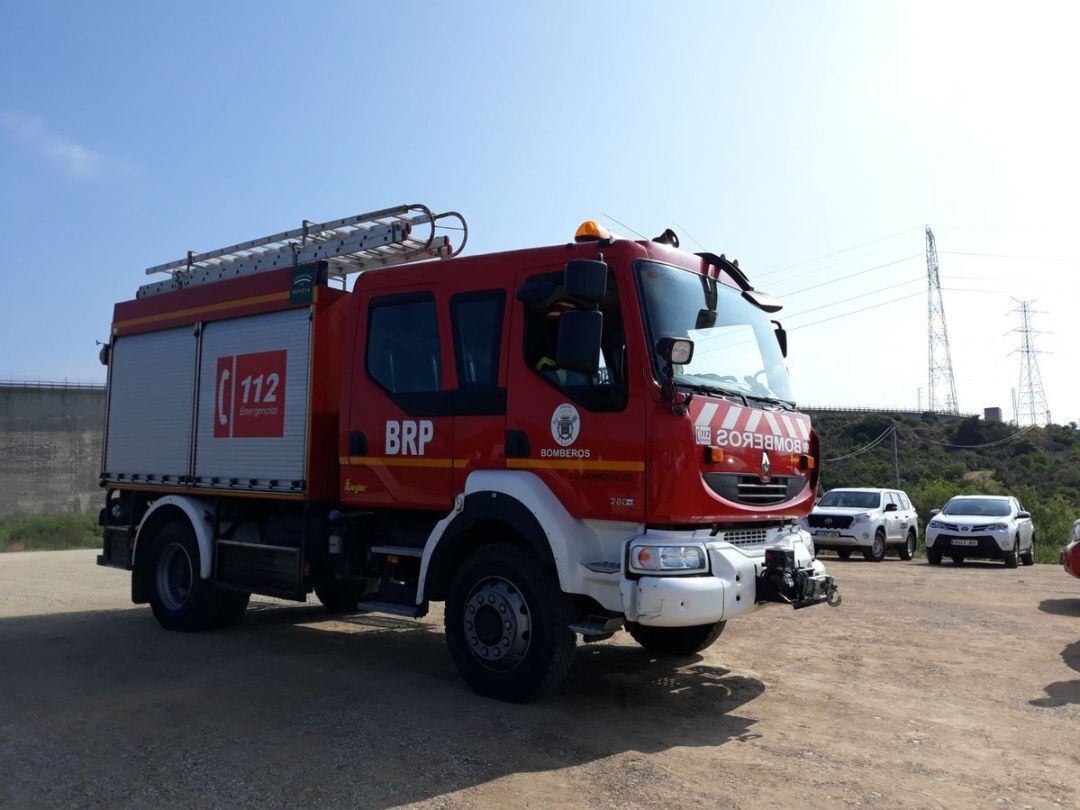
(249, 395)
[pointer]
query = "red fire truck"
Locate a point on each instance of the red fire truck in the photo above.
(556, 442)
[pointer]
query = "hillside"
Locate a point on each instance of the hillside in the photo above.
(1041, 467)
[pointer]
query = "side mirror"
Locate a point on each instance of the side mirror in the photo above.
(586, 280)
(579, 341)
(781, 337)
(890, 507)
(934, 512)
(1023, 515)
(675, 351)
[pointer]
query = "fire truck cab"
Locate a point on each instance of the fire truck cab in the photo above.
(556, 442)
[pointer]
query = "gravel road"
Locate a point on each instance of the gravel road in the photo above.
(928, 687)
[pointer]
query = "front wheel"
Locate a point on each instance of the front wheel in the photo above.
(508, 624)
(843, 553)
(1028, 557)
(676, 640)
(876, 552)
(1012, 557)
(907, 551)
(933, 557)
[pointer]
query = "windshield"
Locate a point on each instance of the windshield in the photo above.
(978, 507)
(735, 347)
(855, 500)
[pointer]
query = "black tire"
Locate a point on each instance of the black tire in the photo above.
(907, 551)
(233, 606)
(957, 559)
(1012, 557)
(876, 552)
(843, 553)
(340, 596)
(502, 603)
(676, 640)
(933, 557)
(179, 597)
(1028, 557)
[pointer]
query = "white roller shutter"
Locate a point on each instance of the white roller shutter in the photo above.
(252, 424)
(150, 395)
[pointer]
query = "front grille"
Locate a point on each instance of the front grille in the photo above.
(746, 538)
(950, 526)
(829, 521)
(750, 489)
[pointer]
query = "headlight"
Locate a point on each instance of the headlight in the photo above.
(860, 518)
(934, 524)
(667, 558)
(997, 527)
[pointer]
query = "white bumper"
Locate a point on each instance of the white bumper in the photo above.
(728, 590)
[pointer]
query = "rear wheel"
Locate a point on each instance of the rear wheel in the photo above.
(907, 551)
(676, 640)
(876, 552)
(180, 598)
(508, 624)
(340, 596)
(843, 553)
(233, 606)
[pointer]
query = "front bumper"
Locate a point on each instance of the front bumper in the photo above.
(985, 545)
(737, 583)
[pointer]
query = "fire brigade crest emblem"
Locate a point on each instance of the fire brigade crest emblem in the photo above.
(565, 424)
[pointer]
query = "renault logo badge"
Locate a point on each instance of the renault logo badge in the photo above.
(766, 466)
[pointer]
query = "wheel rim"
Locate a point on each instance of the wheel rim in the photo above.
(911, 545)
(498, 623)
(175, 576)
(879, 546)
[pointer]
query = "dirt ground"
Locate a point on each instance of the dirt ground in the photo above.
(928, 687)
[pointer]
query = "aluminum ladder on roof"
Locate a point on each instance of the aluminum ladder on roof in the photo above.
(350, 245)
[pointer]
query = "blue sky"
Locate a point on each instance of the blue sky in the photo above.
(777, 133)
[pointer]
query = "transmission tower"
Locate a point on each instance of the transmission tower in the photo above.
(1031, 405)
(942, 384)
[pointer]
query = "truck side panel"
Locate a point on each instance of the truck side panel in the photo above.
(149, 425)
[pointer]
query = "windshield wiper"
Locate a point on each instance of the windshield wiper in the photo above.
(786, 403)
(702, 388)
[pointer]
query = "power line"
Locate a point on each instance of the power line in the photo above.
(690, 235)
(853, 298)
(865, 448)
(1005, 440)
(624, 225)
(856, 311)
(1010, 256)
(837, 252)
(850, 275)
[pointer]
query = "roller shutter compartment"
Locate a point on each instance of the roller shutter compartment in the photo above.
(151, 378)
(253, 402)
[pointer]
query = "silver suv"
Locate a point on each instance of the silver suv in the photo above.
(872, 520)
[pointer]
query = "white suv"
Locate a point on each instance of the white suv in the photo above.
(872, 520)
(986, 527)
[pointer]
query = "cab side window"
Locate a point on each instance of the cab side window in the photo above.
(477, 320)
(607, 389)
(403, 344)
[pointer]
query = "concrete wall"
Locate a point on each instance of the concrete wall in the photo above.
(50, 448)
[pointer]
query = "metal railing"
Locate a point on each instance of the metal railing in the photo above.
(51, 384)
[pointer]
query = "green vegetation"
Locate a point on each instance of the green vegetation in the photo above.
(49, 532)
(1041, 467)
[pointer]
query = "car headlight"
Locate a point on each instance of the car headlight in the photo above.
(997, 527)
(934, 524)
(684, 559)
(860, 518)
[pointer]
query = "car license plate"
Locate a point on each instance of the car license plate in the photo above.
(826, 533)
(964, 541)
